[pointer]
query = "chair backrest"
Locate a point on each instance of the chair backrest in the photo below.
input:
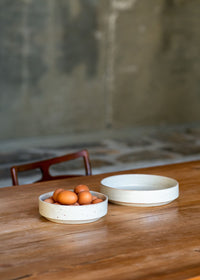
(45, 164)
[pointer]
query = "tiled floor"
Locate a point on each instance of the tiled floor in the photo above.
(109, 151)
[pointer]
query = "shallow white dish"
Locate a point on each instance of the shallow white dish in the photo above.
(140, 189)
(67, 214)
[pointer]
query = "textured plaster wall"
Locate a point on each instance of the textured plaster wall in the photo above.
(87, 65)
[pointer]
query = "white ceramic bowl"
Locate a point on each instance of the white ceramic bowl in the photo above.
(69, 214)
(140, 189)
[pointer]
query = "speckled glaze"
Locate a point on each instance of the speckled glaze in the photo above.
(73, 214)
(140, 189)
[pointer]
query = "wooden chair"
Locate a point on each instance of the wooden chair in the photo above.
(45, 164)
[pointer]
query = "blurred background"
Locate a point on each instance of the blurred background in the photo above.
(118, 77)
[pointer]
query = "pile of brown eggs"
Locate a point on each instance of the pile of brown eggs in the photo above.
(80, 196)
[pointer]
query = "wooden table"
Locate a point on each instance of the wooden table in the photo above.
(160, 242)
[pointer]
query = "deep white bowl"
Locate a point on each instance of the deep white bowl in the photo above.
(70, 214)
(140, 189)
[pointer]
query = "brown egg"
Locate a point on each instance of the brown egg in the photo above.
(81, 188)
(84, 198)
(55, 194)
(97, 200)
(76, 204)
(94, 197)
(49, 200)
(57, 203)
(67, 197)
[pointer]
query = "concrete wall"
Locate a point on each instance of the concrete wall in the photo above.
(87, 65)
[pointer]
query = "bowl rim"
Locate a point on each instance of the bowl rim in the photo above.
(118, 189)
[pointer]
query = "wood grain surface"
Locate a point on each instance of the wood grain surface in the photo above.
(160, 242)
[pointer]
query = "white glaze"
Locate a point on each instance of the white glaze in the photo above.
(73, 214)
(140, 189)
